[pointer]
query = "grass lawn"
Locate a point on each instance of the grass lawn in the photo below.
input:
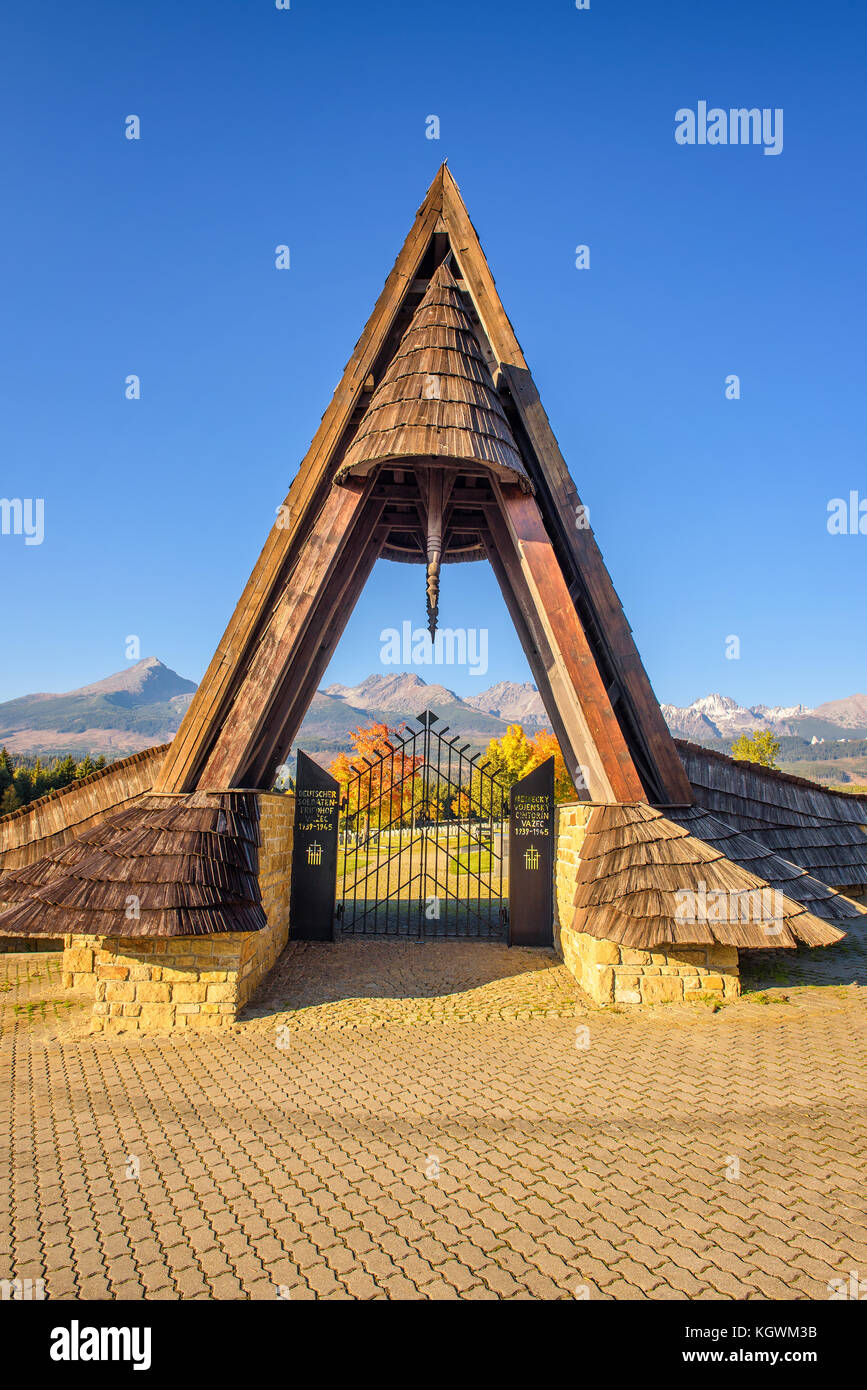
(453, 865)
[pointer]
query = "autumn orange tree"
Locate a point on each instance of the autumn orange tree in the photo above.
(387, 787)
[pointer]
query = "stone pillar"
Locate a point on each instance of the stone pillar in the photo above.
(613, 974)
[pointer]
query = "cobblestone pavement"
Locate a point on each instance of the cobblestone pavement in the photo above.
(441, 1121)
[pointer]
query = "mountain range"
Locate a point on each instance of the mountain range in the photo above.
(719, 717)
(144, 704)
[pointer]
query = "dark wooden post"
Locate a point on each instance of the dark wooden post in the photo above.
(314, 853)
(531, 858)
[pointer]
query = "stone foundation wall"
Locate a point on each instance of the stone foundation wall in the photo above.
(260, 949)
(12, 944)
(153, 986)
(191, 982)
(613, 974)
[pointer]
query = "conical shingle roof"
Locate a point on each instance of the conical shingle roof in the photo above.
(437, 398)
(644, 881)
(168, 866)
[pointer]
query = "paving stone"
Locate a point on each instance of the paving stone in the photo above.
(306, 1169)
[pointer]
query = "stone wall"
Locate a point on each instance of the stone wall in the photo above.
(151, 985)
(10, 945)
(260, 949)
(613, 974)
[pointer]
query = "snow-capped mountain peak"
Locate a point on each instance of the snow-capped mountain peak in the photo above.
(720, 716)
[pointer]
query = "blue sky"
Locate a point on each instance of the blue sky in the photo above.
(307, 127)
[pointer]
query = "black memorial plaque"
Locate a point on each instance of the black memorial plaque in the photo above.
(531, 858)
(314, 853)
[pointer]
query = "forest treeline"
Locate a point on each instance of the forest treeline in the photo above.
(23, 780)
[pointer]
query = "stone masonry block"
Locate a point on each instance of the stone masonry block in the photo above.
(120, 992)
(630, 956)
(688, 955)
(661, 989)
(120, 1025)
(603, 952)
(156, 1018)
(722, 955)
(78, 960)
(190, 993)
(151, 993)
(221, 993)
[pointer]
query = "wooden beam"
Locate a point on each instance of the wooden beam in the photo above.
(561, 704)
(537, 652)
(577, 687)
(237, 739)
(610, 618)
(406, 492)
(312, 654)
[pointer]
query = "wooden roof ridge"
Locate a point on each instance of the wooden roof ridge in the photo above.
(630, 888)
(775, 774)
(464, 420)
(190, 866)
(87, 781)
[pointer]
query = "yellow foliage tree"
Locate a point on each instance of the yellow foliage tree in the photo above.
(510, 758)
(545, 746)
(760, 747)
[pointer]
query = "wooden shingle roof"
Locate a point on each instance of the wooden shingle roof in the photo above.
(825, 832)
(792, 879)
(437, 399)
(169, 866)
(644, 881)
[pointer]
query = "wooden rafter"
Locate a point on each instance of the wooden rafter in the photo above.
(246, 724)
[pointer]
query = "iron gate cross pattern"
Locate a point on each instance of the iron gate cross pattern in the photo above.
(423, 843)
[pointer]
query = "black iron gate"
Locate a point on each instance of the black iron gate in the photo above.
(423, 843)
